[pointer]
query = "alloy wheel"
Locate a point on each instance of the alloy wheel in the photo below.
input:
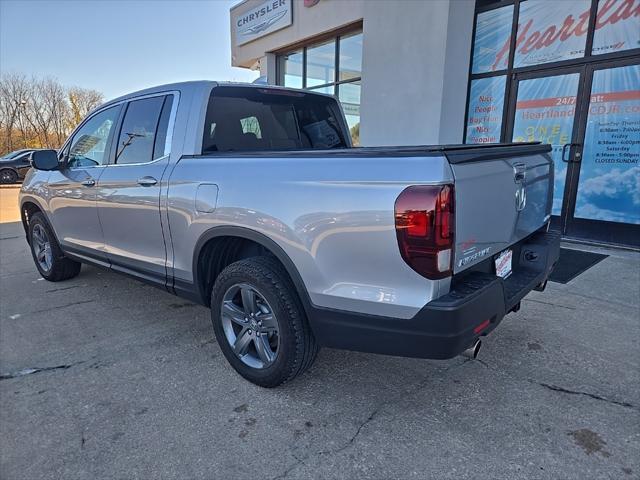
(250, 326)
(42, 247)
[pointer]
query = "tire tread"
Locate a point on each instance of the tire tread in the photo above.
(63, 268)
(271, 271)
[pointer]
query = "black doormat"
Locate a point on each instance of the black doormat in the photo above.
(572, 263)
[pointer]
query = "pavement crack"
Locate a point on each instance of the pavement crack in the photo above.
(353, 438)
(66, 305)
(30, 371)
(549, 303)
(481, 362)
(289, 469)
(61, 289)
(556, 388)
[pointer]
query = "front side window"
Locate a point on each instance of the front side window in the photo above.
(241, 119)
(138, 131)
(89, 144)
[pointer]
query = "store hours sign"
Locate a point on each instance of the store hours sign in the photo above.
(260, 20)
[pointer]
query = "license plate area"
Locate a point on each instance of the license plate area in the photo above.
(503, 263)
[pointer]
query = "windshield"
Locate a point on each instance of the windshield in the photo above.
(241, 119)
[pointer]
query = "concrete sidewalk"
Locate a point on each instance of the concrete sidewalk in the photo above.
(131, 384)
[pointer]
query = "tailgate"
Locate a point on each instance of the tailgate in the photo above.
(503, 193)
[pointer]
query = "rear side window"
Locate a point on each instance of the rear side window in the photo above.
(144, 130)
(244, 119)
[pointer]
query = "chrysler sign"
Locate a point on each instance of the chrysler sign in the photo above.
(264, 18)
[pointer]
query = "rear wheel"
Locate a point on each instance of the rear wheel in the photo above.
(47, 255)
(8, 176)
(260, 324)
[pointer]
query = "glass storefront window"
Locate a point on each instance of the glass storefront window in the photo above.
(320, 61)
(349, 95)
(492, 40)
(350, 57)
(609, 183)
(486, 104)
(545, 110)
(617, 26)
(572, 81)
(291, 69)
(321, 64)
(551, 31)
(329, 90)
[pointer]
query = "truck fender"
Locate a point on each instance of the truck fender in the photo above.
(261, 239)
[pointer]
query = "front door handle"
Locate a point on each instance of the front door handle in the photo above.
(147, 181)
(89, 182)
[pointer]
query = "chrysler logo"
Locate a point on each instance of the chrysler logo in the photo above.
(519, 177)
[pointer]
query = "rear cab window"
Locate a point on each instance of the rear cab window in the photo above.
(249, 119)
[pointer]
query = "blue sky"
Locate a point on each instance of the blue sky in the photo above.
(118, 46)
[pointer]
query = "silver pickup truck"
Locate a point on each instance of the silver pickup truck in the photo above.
(251, 200)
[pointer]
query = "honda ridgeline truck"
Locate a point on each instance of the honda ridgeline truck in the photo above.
(251, 200)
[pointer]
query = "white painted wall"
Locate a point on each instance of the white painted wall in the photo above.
(308, 22)
(416, 57)
(415, 71)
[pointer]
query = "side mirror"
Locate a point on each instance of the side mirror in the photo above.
(45, 160)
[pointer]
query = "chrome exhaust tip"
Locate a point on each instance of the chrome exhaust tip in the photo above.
(472, 352)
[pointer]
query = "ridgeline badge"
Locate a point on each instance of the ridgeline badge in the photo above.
(261, 20)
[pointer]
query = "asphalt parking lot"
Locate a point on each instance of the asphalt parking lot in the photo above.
(104, 377)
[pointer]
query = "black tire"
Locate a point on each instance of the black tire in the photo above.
(297, 348)
(62, 268)
(8, 176)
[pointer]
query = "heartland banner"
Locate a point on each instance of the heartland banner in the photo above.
(609, 184)
(260, 20)
(492, 28)
(550, 31)
(545, 110)
(542, 39)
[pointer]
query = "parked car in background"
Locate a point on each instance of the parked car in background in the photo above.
(15, 165)
(251, 200)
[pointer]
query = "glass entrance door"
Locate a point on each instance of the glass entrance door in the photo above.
(545, 109)
(590, 115)
(605, 201)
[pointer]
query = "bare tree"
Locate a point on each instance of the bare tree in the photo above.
(40, 112)
(82, 101)
(14, 91)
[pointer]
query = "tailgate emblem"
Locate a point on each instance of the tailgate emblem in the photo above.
(519, 177)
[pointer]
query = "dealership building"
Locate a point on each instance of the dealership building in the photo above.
(411, 72)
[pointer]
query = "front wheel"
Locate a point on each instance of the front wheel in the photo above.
(259, 322)
(8, 176)
(47, 255)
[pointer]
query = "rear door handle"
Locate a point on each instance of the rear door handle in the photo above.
(89, 182)
(147, 181)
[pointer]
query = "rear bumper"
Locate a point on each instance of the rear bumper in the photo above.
(445, 327)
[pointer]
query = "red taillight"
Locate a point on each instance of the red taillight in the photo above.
(418, 224)
(424, 228)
